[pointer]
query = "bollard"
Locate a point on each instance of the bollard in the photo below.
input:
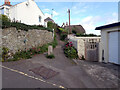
(50, 50)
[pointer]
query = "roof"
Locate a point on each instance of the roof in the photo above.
(77, 28)
(108, 26)
(49, 19)
(5, 5)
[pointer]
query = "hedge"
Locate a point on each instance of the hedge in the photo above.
(23, 26)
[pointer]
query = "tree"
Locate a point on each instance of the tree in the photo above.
(50, 25)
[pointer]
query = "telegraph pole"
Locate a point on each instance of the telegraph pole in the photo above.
(52, 13)
(69, 22)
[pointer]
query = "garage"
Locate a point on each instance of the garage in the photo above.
(113, 47)
(110, 43)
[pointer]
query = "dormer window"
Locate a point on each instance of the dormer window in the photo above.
(39, 18)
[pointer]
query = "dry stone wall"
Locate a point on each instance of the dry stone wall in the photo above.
(19, 40)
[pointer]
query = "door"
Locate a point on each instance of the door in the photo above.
(113, 47)
(91, 50)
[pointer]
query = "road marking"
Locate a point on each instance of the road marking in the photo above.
(22, 73)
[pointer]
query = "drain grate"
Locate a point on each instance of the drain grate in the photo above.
(44, 72)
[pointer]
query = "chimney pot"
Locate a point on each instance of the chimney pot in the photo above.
(7, 2)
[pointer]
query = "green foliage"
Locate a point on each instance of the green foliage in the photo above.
(63, 33)
(21, 55)
(73, 31)
(6, 24)
(5, 52)
(63, 37)
(22, 26)
(50, 56)
(70, 51)
(83, 58)
(44, 48)
(63, 30)
(4, 18)
(86, 35)
(27, 53)
(50, 25)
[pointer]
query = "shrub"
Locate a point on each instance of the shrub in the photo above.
(21, 55)
(86, 35)
(63, 37)
(63, 34)
(27, 53)
(83, 58)
(6, 24)
(70, 51)
(78, 34)
(50, 25)
(44, 48)
(4, 18)
(5, 52)
(73, 31)
(50, 56)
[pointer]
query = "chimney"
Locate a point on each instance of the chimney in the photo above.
(7, 2)
(66, 23)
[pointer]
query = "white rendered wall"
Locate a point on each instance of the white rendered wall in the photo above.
(27, 14)
(4, 11)
(104, 45)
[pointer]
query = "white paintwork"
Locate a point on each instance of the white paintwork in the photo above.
(79, 43)
(104, 44)
(4, 11)
(27, 12)
(113, 47)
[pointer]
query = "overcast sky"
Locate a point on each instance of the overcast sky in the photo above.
(87, 14)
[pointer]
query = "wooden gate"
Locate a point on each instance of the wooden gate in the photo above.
(91, 51)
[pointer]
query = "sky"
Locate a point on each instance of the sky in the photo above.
(88, 14)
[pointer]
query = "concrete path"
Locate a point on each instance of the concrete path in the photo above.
(70, 75)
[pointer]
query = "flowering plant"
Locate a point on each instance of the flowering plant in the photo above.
(69, 44)
(70, 51)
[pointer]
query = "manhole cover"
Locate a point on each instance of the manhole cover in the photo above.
(44, 72)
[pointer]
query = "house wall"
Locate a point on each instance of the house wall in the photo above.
(4, 11)
(45, 24)
(27, 14)
(104, 44)
(15, 39)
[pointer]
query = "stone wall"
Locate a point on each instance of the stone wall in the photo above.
(19, 40)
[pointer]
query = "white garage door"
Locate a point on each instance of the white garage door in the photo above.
(113, 47)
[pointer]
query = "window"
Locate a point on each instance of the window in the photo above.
(2, 10)
(39, 18)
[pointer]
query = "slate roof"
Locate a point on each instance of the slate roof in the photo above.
(108, 26)
(49, 19)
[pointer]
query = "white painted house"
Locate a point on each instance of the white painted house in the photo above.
(110, 43)
(26, 12)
